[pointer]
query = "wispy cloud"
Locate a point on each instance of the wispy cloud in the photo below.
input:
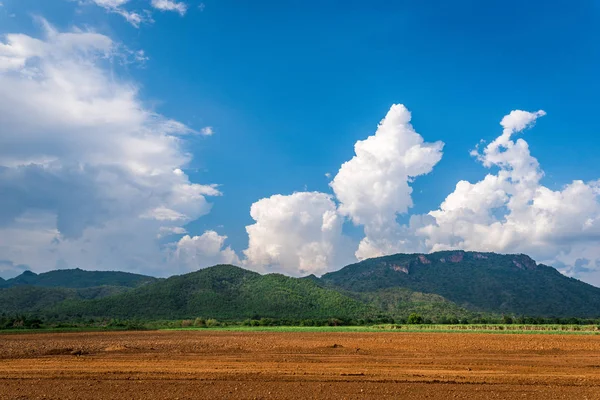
(170, 5)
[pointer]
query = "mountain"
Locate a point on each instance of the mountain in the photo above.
(78, 278)
(485, 282)
(440, 286)
(35, 299)
(223, 292)
(31, 292)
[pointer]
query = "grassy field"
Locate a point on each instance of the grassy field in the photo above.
(488, 328)
(463, 328)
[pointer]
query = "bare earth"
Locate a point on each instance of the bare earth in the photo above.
(264, 365)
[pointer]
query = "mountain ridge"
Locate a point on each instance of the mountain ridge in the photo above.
(480, 281)
(77, 278)
(439, 285)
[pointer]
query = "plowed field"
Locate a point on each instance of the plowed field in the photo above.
(288, 365)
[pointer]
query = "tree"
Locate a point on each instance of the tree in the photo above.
(415, 319)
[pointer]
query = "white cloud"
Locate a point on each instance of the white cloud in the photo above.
(170, 5)
(136, 18)
(511, 211)
(207, 130)
(170, 230)
(116, 7)
(297, 234)
(88, 175)
(111, 3)
(193, 253)
(373, 187)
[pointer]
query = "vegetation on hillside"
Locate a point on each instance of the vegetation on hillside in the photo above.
(78, 278)
(445, 287)
(223, 292)
(485, 282)
(33, 299)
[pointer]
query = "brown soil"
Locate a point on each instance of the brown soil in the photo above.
(264, 365)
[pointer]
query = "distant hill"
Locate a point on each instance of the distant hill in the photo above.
(476, 281)
(31, 292)
(223, 292)
(35, 299)
(78, 278)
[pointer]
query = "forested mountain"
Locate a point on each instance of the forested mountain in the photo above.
(444, 285)
(226, 292)
(36, 299)
(78, 278)
(476, 281)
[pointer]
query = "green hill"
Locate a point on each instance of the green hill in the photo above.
(223, 292)
(78, 278)
(440, 286)
(34, 299)
(485, 282)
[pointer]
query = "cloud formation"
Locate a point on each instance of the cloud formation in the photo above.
(136, 18)
(511, 211)
(88, 175)
(170, 5)
(91, 177)
(374, 186)
(193, 253)
(298, 234)
(116, 7)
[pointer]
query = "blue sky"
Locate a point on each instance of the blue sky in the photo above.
(289, 88)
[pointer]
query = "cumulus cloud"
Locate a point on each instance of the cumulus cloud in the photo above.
(202, 251)
(512, 211)
(297, 234)
(508, 211)
(88, 175)
(170, 5)
(374, 186)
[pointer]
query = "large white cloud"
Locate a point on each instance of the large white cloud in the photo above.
(507, 211)
(297, 234)
(89, 176)
(512, 211)
(374, 186)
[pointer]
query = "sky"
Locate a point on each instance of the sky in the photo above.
(163, 136)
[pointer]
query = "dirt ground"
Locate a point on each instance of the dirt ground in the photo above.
(266, 365)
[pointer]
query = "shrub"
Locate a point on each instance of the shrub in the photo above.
(212, 323)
